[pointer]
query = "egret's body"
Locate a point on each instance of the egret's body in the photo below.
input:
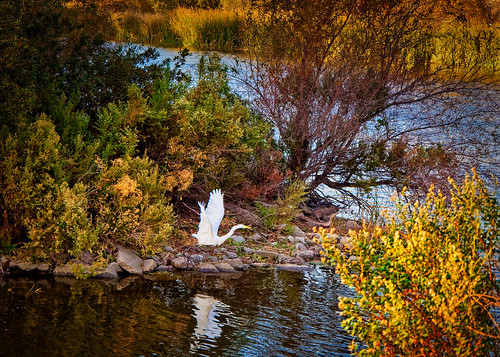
(210, 219)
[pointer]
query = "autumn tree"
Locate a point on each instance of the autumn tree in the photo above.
(372, 93)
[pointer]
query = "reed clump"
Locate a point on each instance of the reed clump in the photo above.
(209, 29)
(145, 28)
(193, 28)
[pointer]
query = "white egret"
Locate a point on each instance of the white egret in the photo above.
(210, 219)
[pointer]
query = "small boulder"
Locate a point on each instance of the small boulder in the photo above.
(297, 232)
(247, 250)
(326, 213)
(293, 267)
(224, 267)
(317, 251)
(129, 261)
(164, 267)
(265, 254)
(180, 263)
(283, 258)
(63, 270)
(331, 236)
(231, 255)
(236, 264)
(307, 255)
(260, 265)
(238, 239)
(346, 242)
(115, 267)
(257, 237)
(208, 268)
(283, 239)
(297, 261)
(301, 247)
(196, 258)
(28, 267)
(4, 264)
(85, 257)
(107, 273)
(148, 265)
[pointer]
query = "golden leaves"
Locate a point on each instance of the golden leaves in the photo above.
(418, 277)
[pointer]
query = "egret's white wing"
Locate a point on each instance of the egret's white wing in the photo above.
(215, 210)
(204, 235)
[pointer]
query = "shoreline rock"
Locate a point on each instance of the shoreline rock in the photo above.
(129, 261)
(290, 253)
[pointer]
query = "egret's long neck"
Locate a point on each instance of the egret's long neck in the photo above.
(221, 240)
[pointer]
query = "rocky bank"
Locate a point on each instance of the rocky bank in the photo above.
(297, 252)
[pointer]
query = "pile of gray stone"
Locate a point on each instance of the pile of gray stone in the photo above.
(297, 252)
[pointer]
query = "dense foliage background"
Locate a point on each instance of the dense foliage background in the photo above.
(96, 142)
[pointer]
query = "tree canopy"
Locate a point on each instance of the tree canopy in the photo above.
(352, 88)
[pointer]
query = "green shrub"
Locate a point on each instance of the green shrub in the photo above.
(115, 137)
(125, 205)
(425, 281)
(115, 202)
(286, 207)
(204, 133)
(31, 172)
(129, 205)
(61, 225)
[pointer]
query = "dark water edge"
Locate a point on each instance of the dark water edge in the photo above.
(253, 313)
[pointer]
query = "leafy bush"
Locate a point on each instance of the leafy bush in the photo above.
(31, 171)
(129, 205)
(425, 281)
(116, 202)
(286, 207)
(203, 133)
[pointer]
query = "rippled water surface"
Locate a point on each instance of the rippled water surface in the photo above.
(255, 313)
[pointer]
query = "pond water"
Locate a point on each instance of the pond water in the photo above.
(252, 313)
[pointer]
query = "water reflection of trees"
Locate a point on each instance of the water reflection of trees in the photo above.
(255, 312)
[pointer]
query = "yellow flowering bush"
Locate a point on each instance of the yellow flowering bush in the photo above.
(129, 205)
(424, 281)
(117, 202)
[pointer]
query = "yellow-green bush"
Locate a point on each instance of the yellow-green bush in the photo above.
(425, 281)
(121, 201)
(31, 172)
(129, 205)
(286, 207)
(204, 133)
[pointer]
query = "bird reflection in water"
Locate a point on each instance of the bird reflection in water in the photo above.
(207, 311)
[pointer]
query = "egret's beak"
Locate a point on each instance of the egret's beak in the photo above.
(247, 227)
